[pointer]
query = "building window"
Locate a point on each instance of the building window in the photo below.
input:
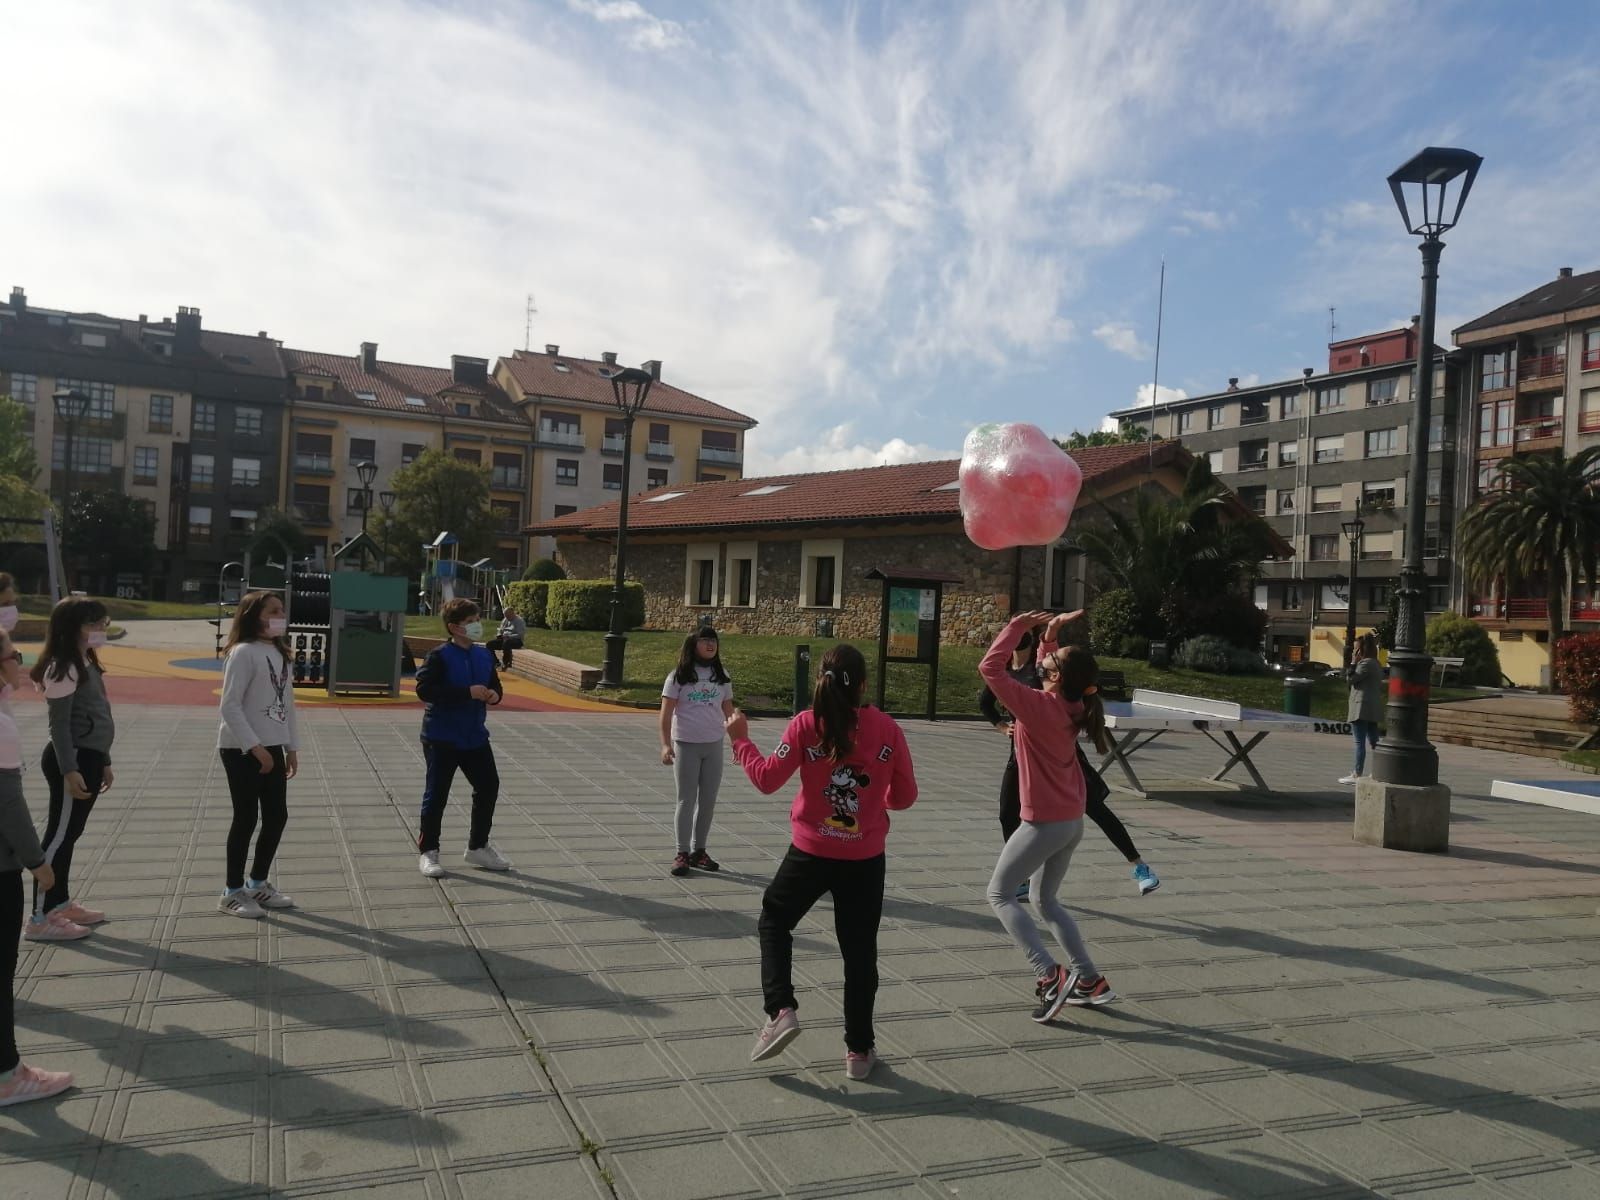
(507, 470)
(463, 409)
(562, 510)
(311, 502)
(1498, 371)
(1383, 391)
(1253, 456)
(1380, 442)
(655, 477)
(1285, 500)
(1255, 499)
(820, 573)
(1438, 597)
(1591, 349)
(473, 456)
(567, 472)
(25, 388)
(1186, 420)
(247, 422)
(1436, 432)
(719, 446)
(1589, 411)
(1496, 423)
(241, 520)
(1335, 597)
(90, 455)
(160, 414)
(355, 500)
(507, 515)
(313, 452)
(205, 418)
(1288, 453)
(1328, 449)
(611, 477)
(410, 452)
(247, 472)
(741, 581)
(616, 434)
(1378, 493)
(102, 396)
(1435, 485)
(1489, 478)
(199, 522)
(363, 450)
(1378, 596)
(146, 464)
(1329, 399)
(1324, 547)
(560, 429)
(1291, 597)
(1216, 415)
(1214, 461)
(1328, 497)
(1289, 404)
(1254, 411)
(202, 470)
(660, 438)
(708, 477)
(700, 574)
(1435, 542)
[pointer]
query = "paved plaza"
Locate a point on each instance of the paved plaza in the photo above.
(1302, 1016)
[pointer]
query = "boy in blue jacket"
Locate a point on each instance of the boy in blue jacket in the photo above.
(457, 682)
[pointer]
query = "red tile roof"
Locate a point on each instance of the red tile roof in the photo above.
(392, 382)
(536, 375)
(912, 491)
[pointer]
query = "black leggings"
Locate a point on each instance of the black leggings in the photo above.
(10, 931)
(252, 793)
(65, 825)
(1094, 807)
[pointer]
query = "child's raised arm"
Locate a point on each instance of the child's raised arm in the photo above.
(772, 772)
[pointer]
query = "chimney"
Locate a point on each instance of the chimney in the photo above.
(609, 357)
(369, 358)
(19, 299)
(187, 338)
(1565, 272)
(1233, 383)
(552, 349)
(262, 334)
(466, 369)
(654, 367)
(144, 319)
(1416, 319)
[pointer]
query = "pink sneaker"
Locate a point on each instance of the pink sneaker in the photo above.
(79, 915)
(31, 1083)
(859, 1066)
(54, 928)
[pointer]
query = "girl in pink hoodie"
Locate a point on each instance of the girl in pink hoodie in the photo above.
(854, 767)
(1050, 778)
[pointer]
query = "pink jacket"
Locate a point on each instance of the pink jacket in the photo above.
(1046, 735)
(842, 809)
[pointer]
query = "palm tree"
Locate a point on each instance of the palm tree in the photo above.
(1544, 525)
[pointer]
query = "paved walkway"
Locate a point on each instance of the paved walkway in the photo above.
(1302, 1016)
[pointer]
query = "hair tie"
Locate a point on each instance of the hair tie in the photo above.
(844, 677)
(1090, 690)
(827, 674)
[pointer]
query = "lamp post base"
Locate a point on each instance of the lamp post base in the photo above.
(1400, 816)
(611, 672)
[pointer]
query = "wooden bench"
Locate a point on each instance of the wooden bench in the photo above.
(560, 673)
(1113, 686)
(1442, 668)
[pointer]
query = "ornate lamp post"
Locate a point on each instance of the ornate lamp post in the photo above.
(1402, 805)
(1352, 531)
(629, 388)
(71, 407)
(386, 502)
(366, 472)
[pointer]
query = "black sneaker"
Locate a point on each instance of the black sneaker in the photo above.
(1089, 991)
(680, 864)
(702, 861)
(1052, 994)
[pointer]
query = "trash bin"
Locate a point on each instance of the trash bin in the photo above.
(1160, 654)
(802, 679)
(1297, 696)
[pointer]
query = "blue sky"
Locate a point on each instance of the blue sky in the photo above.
(870, 226)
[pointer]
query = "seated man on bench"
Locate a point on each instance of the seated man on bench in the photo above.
(508, 637)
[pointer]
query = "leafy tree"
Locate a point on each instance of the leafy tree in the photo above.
(1129, 432)
(544, 569)
(20, 503)
(274, 526)
(108, 532)
(1543, 527)
(436, 492)
(1451, 635)
(17, 459)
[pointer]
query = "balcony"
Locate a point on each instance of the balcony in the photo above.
(1586, 606)
(311, 514)
(1516, 608)
(659, 451)
(716, 454)
(313, 464)
(1589, 422)
(612, 443)
(1591, 360)
(1376, 555)
(1259, 463)
(1254, 416)
(1537, 432)
(506, 479)
(1540, 371)
(562, 437)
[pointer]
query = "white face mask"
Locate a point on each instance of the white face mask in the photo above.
(97, 638)
(473, 630)
(8, 617)
(277, 626)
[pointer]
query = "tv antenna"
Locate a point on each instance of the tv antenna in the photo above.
(527, 323)
(1333, 327)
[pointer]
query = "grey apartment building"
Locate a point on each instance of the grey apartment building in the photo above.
(1305, 454)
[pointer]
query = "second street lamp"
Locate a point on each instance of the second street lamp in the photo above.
(366, 471)
(629, 389)
(1352, 531)
(71, 407)
(386, 502)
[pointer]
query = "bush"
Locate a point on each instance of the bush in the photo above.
(1112, 621)
(1450, 635)
(1136, 646)
(544, 569)
(1205, 652)
(1578, 674)
(1227, 615)
(586, 604)
(529, 599)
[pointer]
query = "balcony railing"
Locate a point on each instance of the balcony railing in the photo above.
(311, 514)
(1248, 417)
(1589, 422)
(1591, 360)
(612, 443)
(504, 477)
(1541, 366)
(1525, 609)
(553, 436)
(1586, 607)
(314, 464)
(1538, 429)
(658, 450)
(716, 454)
(1253, 464)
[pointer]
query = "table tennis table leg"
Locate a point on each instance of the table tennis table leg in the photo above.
(1241, 757)
(1119, 754)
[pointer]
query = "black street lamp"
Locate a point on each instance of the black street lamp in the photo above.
(1352, 530)
(629, 388)
(71, 407)
(1437, 182)
(386, 502)
(366, 471)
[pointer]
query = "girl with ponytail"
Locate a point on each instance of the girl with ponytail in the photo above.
(854, 767)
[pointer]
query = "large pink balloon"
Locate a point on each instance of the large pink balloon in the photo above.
(1017, 486)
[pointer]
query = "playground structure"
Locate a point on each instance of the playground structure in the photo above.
(55, 573)
(445, 577)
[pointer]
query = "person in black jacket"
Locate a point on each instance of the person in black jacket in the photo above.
(1024, 669)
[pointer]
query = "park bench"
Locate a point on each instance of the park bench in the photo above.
(1442, 668)
(1113, 685)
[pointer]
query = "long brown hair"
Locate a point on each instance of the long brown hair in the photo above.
(1080, 676)
(840, 683)
(249, 625)
(1367, 646)
(61, 651)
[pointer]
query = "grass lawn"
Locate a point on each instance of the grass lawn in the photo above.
(1583, 758)
(126, 610)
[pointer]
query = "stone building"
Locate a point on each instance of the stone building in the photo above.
(790, 554)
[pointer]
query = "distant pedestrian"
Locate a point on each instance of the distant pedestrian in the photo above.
(259, 747)
(695, 701)
(509, 637)
(1366, 700)
(854, 767)
(76, 763)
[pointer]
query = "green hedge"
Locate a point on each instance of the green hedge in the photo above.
(529, 599)
(586, 604)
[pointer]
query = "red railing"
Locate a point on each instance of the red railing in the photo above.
(1526, 609)
(1522, 608)
(1589, 422)
(1591, 360)
(1586, 607)
(1538, 428)
(1541, 366)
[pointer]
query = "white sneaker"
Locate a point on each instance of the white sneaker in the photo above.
(1348, 778)
(430, 866)
(269, 897)
(240, 904)
(486, 857)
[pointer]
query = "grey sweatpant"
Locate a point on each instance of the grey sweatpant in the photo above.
(697, 766)
(1042, 852)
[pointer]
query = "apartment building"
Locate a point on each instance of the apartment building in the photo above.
(578, 435)
(1304, 454)
(183, 419)
(1532, 387)
(348, 409)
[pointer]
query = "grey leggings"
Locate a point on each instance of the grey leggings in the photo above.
(697, 766)
(1042, 852)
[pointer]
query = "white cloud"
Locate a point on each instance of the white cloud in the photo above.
(841, 448)
(1122, 338)
(1249, 379)
(1163, 393)
(645, 31)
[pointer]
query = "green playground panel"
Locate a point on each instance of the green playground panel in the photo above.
(356, 591)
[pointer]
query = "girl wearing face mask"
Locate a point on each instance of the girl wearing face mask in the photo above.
(259, 747)
(77, 762)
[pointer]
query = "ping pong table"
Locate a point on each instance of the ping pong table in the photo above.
(1133, 725)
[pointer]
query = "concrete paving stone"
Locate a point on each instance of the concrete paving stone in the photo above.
(564, 991)
(1090, 1065)
(1168, 1172)
(39, 1130)
(982, 992)
(482, 1076)
(569, 1179)
(307, 1097)
(1348, 1040)
(922, 1034)
(1554, 1182)
(1167, 1112)
(352, 1147)
(311, 1047)
(942, 1140)
(409, 1189)
(428, 999)
(537, 962)
(85, 989)
(43, 1178)
(827, 1154)
(453, 965)
(994, 1074)
(606, 1066)
(457, 1033)
(1428, 1031)
(1478, 1142)
(1376, 1088)
(161, 1110)
(168, 1057)
(713, 1014)
(506, 1127)
(240, 980)
(1176, 1058)
(577, 1026)
(787, 1096)
(326, 1009)
(1517, 1071)
(328, 975)
(1366, 1152)
(198, 1167)
(1269, 1099)
(206, 1016)
(1267, 1164)
(622, 1118)
(1194, 1012)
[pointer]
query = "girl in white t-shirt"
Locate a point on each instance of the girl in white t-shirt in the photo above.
(695, 700)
